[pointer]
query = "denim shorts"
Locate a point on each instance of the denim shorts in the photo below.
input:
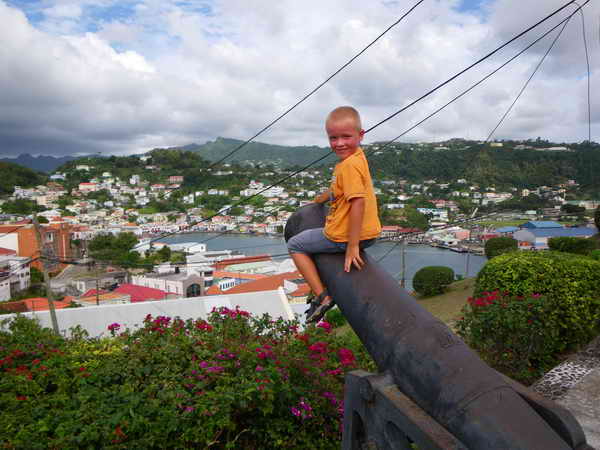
(314, 241)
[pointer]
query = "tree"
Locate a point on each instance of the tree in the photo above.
(42, 219)
(21, 206)
(117, 249)
(498, 245)
(597, 218)
(164, 253)
(415, 219)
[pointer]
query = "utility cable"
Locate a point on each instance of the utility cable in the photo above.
(480, 60)
(388, 118)
(441, 108)
(281, 116)
(587, 60)
(539, 64)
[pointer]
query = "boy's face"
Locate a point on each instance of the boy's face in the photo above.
(344, 137)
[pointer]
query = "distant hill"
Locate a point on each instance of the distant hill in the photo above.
(41, 163)
(12, 175)
(280, 155)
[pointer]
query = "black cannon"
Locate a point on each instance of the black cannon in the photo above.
(432, 389)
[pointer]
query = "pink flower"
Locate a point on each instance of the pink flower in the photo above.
(318, 347)
(325, 325)
(259, 369)
(346, 356)
(295, 411)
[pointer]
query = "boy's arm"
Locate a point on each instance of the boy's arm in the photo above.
(323, 196)
(357, 212)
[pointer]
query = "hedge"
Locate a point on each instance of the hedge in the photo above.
(579, 246)
(232, 381)
(570, 282)
(432, 280)
(499, 245)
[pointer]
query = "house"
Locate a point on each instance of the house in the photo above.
(176, 179)
(14, 274)
(183, 282)
(88, 187)
(22, 239)
(537, 237)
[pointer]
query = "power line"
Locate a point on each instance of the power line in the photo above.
(471, 66)
(403, 109)
(466, 91)
(281, 116)
(539, 64)
(587, 60)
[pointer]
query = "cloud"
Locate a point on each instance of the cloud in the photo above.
(122, 77)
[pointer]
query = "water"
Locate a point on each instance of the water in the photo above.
(416, 256)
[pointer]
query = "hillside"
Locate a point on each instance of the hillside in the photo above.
(41, 163)
(486, 166)
(12, 175)
(280, 155)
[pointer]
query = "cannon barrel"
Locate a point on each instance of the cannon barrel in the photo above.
(425, 359)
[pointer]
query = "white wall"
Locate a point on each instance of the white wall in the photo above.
(10, 241)
(95, 319)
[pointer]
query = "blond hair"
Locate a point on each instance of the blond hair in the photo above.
(345, 113)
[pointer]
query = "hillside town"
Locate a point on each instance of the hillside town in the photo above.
(72, 214)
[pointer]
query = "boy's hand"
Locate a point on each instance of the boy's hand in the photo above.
(353, 257)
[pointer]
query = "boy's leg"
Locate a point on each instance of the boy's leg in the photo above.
(302, 246)
(307, 268)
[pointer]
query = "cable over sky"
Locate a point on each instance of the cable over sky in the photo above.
(421, 98)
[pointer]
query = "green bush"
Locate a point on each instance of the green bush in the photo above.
(595, 255)
(335, 317)
(232, 381)
(570, 282)
(579, 246)
(515, 335)
(432, 280)
(499, 245)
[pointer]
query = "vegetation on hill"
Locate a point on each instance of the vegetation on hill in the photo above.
(259, 152)
(12, 175)
(42, 163)
(502, 167)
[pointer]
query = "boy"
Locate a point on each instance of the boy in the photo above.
(352, 223)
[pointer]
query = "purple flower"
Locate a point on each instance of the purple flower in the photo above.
(295, 411)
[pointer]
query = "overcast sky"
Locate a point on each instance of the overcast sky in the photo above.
(120, 76)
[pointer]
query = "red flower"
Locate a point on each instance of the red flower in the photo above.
(346, 356)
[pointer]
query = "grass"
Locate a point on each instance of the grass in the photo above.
(447, 306)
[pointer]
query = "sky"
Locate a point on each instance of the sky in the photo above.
(125, 76)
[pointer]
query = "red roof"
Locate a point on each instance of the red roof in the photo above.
(34, 304)
(141, 293)
(264, 284)
(240, 275)
(7, 251)
(92, 292)
(219, 265)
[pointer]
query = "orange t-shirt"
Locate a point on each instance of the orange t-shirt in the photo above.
(352, 179)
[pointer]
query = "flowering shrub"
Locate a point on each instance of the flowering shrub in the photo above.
(570, 282)
(514, 334)
(231, 381)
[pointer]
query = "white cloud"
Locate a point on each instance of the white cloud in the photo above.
(169, 73)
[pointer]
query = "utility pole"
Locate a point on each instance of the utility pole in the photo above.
(403, 279)
(467, 267)
(38, 235)
(97, 288)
